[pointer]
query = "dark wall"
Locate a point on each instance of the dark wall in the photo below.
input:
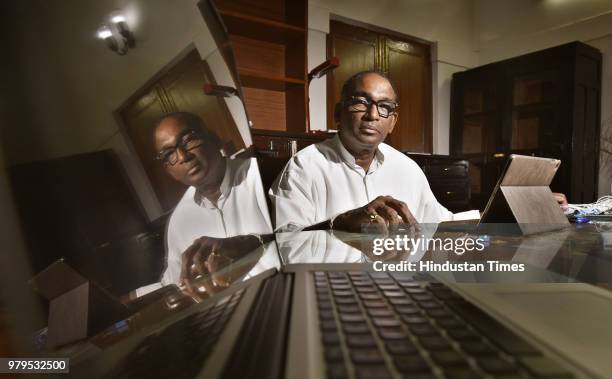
(83, 208)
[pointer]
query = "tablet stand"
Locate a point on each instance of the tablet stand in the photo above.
(78, 308)
(532, 208)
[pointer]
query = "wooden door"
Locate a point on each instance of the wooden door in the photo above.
(358, 50)
(177, 88)
(139, 118)
(408, 65)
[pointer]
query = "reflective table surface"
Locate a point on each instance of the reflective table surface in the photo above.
(577, 253)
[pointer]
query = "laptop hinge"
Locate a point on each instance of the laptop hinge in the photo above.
(261, 346)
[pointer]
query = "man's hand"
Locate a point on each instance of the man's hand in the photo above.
(381, 214)
(562, 200)
(207, 255)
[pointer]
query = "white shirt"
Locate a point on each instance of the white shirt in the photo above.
(241, 209)
(323, 181)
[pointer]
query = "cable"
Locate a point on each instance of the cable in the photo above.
(601, 206)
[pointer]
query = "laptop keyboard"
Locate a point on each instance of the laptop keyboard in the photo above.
(179, 350)
(386, 325)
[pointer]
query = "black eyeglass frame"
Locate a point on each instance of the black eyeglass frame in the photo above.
(164, 155)
(369, 102)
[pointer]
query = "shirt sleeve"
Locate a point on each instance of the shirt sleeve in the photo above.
(292, 199)
(434, 212)
(173, 262)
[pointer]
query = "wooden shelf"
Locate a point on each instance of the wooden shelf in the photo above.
(315, 135)
(269, 39)
(256, 79)
(479, 114)
(260, 28)
(533, 107)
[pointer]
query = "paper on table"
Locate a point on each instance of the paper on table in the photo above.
(474, 214)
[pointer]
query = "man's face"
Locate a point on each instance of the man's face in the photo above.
(192, 166)
(366, 129)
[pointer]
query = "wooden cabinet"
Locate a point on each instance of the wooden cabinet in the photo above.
(545, 103)
(448, 179)
(407, 62)
(269, 41)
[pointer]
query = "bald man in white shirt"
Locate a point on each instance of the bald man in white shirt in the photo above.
(354, 178)
(223, 204)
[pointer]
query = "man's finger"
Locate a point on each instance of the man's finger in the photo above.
(389, 214)
(402, 209)
(561, 199)
(187, 261)
(199, 263)
(375, 222)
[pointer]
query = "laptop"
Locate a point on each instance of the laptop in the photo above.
(344, 320)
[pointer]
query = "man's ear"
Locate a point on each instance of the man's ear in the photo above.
(337, 113)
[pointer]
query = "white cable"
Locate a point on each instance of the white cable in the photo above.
(602, 205)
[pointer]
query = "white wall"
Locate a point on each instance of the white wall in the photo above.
(506, 29)
(318, 28)
(447, 24)
(71, 83)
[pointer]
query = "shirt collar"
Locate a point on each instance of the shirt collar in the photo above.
(225, 189)
(349, 159)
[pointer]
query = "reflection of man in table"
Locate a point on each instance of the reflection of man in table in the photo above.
(327, 183)
(223, 196)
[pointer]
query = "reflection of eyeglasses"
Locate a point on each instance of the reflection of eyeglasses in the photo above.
(191, 140)
(361, 104)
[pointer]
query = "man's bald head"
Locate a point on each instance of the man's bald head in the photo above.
(190, 121)
(351, 83)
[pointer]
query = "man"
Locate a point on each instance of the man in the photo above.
(354, 178)
(222, 199)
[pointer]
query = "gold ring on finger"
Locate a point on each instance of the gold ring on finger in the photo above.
(373, 217)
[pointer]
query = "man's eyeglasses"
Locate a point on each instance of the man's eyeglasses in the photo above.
(191, 140)
(361, 104)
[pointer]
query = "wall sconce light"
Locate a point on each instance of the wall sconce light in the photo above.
(106, 34)
(118, 19)
(118, 36)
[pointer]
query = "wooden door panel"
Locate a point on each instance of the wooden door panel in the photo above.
(408, 68)
(183, 87)
(139, 120)
(357, 50)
